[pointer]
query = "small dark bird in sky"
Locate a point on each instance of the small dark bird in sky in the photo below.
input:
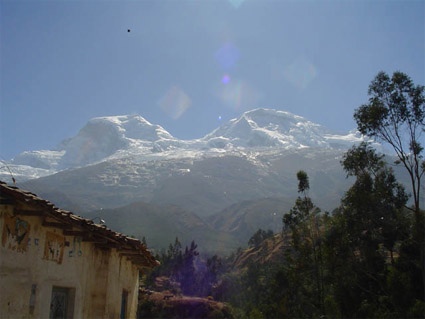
(128, 30)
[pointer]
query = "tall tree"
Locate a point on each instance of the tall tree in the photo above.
(303, 205)
(371, 218)
(303, 182)
(395, 115)
(372, 204)
(306, 264)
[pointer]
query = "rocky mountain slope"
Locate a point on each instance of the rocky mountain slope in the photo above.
(271, 250)
(160, 225)
(115, 160)
(113, 137)
(229, 182)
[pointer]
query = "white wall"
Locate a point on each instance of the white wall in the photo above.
(98, 277)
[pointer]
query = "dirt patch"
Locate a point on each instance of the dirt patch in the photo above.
(166, 305)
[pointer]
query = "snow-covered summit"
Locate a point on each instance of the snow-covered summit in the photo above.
(268, 127)
(103, 136)
(131, 127)
(99, 138)
(113, 137)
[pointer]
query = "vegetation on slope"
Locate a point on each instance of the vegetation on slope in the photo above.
(361, 261)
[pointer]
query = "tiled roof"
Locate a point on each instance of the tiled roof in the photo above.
(73, 225)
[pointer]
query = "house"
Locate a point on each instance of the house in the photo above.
(54, 264)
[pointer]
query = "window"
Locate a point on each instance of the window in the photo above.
(124, 300)
(62, 303)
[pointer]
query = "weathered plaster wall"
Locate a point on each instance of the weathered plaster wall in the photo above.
(121, 277)
(31, 254)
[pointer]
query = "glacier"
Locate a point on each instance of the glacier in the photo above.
(133, 138)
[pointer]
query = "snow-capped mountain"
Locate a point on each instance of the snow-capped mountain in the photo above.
(104, 136)
(267, 127)
(100, 138)
(118, 160)
(115, 137)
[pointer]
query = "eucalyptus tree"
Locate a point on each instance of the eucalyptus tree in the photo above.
(306, 269)
(395, 115)
(373, 204)
(366, 230)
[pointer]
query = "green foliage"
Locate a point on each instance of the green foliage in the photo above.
(364, 235)
(303, 183)
(372, 206)
(360, 261)
(259, 237)
(395, 114)
(305, 271)
(361, 160)
(193, 275)
(303, 207)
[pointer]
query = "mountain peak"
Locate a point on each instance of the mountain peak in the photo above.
(264, 117)
(261, 112)
(103, 136)
(121, 119)
(269, 127)
(122, 135)
(132, 126)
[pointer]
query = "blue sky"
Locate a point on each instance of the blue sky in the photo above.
(192, 65)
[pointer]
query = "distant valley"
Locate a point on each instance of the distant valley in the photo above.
(217, 190)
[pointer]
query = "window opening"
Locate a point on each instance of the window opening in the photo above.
(124, 300)
(62, 303)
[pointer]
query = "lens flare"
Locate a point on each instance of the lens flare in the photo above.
(227, 56)
(175, 102)
(239, 95)
(225, 79)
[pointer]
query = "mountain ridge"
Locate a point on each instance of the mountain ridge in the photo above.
(111, 137)
(239, 177)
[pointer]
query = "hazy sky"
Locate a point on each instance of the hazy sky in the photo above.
(191, 65)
